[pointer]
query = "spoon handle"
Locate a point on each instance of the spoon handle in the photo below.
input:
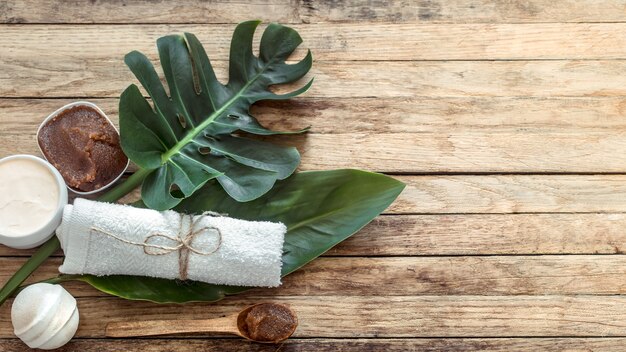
(227, 325)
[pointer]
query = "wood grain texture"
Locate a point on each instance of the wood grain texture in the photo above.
(387, 115)
(452, 148)
(411, 276)
(332, 345)
(504, 118)
(478, 234)
(312, 11)
(77, 76)
(504, 194)
(560, 146)
(392, 316)
(488, 234)
(470, 152)
(511, 194)
(350, 41)
(114, 11)
(465, 11)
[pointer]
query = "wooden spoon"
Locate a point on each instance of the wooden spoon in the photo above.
(274, 323)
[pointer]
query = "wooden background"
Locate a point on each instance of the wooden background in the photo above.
(506, 119)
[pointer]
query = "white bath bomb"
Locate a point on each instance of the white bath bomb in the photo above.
(44, 316)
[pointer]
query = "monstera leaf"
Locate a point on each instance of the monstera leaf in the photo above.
(187, 137)
(319, 208)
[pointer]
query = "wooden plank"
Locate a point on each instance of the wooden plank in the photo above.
(512, 194)
(454, 150)
(406, 276)
(425, 114)
(488, 234)
(331, 345)
(541, 275)
(465, 11)
(308, 11)
(469, 152)
(388, 115)
(452, 147)
(332, 42)
(478, 234)
(396, 316)
(77, 76)
(184, 11)
(505, 194)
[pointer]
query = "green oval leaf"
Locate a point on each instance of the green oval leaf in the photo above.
(186, 138)
(319, 208)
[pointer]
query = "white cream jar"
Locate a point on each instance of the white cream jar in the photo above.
(32, 197)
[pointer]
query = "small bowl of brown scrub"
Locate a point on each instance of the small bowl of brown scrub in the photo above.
(82, 143)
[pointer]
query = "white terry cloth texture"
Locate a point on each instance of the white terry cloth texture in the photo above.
(249, 253)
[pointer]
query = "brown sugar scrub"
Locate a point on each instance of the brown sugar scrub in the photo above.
(267, 322)
(84, 146)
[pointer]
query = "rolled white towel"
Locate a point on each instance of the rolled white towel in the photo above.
(113, 239)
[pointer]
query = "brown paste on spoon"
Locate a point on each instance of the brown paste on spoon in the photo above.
(83, 145)
(269, 322)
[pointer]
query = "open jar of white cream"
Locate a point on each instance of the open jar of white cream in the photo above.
(32, 197)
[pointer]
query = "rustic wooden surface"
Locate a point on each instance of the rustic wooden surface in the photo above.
(506, 119)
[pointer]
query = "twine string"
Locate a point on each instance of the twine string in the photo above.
(184, 241)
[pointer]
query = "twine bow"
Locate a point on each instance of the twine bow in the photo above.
(184, 241)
